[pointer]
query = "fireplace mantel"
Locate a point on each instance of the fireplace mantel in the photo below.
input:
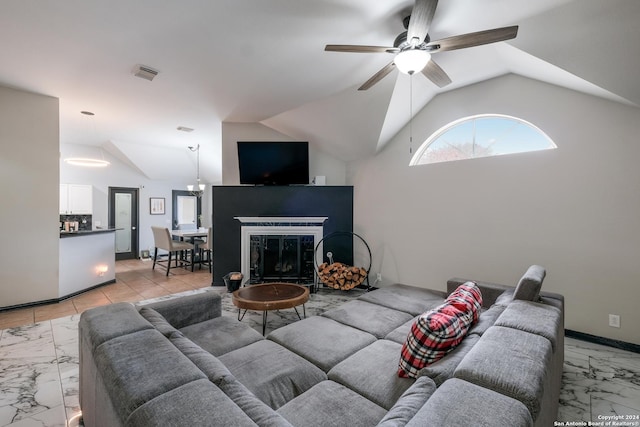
(284, 220)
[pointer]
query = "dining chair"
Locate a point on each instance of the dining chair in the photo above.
(207, 248)
(162, 240)
(195, 240)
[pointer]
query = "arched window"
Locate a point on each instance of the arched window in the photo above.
(483, 135)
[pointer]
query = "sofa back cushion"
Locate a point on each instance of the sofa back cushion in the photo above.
(438, 331)
(529, 286)
(190, 309)
(101, 324)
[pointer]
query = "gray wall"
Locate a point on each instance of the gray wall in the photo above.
(29, 181)
(574, 210)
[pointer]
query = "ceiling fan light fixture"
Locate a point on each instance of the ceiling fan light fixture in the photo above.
(412, 60)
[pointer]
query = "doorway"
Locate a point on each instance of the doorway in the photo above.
(123, 215)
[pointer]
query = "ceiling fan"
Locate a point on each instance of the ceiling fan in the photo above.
(413, 48)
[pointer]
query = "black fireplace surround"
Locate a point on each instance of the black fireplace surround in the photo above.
(228, 202)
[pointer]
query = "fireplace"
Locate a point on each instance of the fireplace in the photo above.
(280, 249)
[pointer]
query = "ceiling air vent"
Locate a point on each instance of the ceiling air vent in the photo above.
(145, 72)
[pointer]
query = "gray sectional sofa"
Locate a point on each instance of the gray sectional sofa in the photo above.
(179, 362)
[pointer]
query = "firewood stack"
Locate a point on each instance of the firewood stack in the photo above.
(340, 276)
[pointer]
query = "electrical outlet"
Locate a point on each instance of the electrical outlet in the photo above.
(379, 277)
(614, 320)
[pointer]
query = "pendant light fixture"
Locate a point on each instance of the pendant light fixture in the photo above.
(88, 161)
(197, 189)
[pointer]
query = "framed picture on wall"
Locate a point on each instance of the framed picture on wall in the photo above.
(156, 205)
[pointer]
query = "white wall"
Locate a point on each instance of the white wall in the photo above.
(319, 163)
(119, 174)
(574, 210)
(29, 133)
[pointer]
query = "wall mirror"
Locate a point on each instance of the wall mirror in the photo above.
(186, 209)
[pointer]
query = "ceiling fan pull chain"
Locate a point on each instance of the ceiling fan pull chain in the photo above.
(410, 114)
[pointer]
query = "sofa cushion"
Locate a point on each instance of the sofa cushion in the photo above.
(506, 297)
(322, 341)
(221, 334)
(368, 317)
(409, 403)
(210, 365)
(141, 366)
(511, 362)
(487, 319)
(460, 403)
(157, 320)
(219, 375)
(190, 404)
(371, 372)
(529, 286)
(539, 319)
(443, 369)
(438, 331)
(409, 299)
(401, 333)
(257, 410)
(329, 404)
(273, 373)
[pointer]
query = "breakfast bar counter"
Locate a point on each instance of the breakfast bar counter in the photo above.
(87, 260)
(85, 232)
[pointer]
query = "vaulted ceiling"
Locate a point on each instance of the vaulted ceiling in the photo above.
(264, 61)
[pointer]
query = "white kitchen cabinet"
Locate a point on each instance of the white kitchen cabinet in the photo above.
(76, 199)
(64, 199)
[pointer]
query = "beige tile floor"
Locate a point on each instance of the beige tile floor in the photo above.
(135, 281)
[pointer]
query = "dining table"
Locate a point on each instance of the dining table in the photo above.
(190, 236)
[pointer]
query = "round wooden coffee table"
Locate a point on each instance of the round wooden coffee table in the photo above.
(270, 296)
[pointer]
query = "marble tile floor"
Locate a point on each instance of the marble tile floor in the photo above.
(599, 382)
(39, 368)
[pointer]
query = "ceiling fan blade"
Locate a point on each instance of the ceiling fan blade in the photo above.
(436, 74)
(475, 39)
(420, 20)
(378, 76)
(359, 49)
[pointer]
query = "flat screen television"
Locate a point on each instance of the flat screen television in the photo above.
(273, 163)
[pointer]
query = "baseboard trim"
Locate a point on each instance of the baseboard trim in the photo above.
(54, 300)
(622, 345)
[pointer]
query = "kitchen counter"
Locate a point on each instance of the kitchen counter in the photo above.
(86, 232)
